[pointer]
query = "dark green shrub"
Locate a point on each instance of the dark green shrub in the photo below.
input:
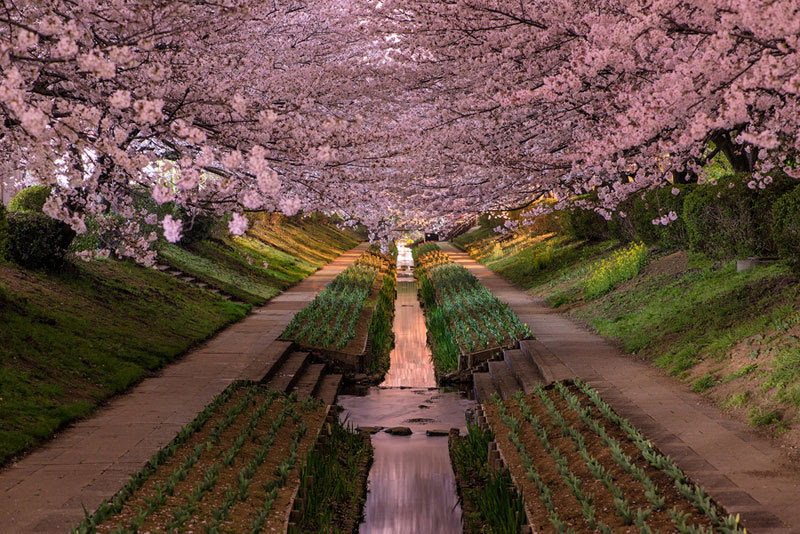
(654, 204)
(37, 241)
(202, 228)
(728, 219)
(620, 227)
(3, 231)
(786, 225)
(30, 199)
(584, 224)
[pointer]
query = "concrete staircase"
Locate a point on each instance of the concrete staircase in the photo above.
(519, 370)
(282, 367)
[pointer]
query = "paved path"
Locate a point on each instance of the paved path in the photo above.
(90, 461)
(745, 473)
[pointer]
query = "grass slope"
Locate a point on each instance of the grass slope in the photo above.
(732, 336)
(71, 339)
(273, 255)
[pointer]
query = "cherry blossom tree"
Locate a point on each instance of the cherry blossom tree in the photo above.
(393, 113)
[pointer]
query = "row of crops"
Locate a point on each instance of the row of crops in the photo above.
(331, 321)
(333, 482)
(230, 470)
(463, 316)
(582, 467)
(489, 500)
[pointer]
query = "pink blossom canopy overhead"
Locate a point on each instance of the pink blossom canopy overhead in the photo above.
(391, 113)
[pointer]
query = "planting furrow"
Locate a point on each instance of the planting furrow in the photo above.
(691, 492)
(593, 471)
(190, 436)
(232, 477)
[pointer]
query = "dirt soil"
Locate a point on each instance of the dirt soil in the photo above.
(569, 509)
(242, 513)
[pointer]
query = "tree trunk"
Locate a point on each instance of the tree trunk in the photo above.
(741, 157)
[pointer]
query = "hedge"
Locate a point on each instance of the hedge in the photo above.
(37, 241)
(785, 230)
(3, 231)
(584, 224)
(31, 199)
(728, 219)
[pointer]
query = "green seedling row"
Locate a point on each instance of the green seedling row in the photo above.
(597, 417)
(463, 316)
(238, 442)
(330, 320)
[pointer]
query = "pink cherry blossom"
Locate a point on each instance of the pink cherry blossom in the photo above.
(238, 224)
(172, 229)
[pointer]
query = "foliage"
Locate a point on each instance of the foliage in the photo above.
(333, 480)
(251, 267)
(497, 506)
(3, 231)
(608, 273)
(37, 241)
(381, 333)
(74, 337)
(584, 224)
(330, 320)
(785, 230)
(202, 228)
(732, 218)
(656, 216)
(125, 321)
(31, 199)
(462, 315)
(248, 423)
(545, 415)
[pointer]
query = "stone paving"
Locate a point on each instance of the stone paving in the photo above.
(88, 462)
(742, 471)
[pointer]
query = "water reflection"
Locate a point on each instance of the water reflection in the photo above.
(411, 484)
(410, 357)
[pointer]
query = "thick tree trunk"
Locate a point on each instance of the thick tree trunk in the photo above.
(741, 157)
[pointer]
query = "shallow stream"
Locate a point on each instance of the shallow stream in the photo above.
(411, 484)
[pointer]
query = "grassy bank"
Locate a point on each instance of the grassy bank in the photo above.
(275, 254)
(71, 339)
(731, 336)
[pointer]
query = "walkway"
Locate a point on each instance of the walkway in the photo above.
(90, 461)
(743, 472)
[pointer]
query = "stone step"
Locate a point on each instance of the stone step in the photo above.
(525, 371)
(484, 387)
(267, 362)
(328, 388)
(550, 366)
(504, 379)
(287, 374)
(309, 380)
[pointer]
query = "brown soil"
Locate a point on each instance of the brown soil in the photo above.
(671, 265)
(567, 504)
(242, 513)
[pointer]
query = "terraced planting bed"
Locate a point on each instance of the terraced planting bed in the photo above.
(583, 468)
(333, 482)
(489, 500)
(350, 320)
(234, 468)
(463, 317)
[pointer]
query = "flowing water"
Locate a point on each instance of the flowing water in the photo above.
(411, 484)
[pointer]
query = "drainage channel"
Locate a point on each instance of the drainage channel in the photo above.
(412, 487)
